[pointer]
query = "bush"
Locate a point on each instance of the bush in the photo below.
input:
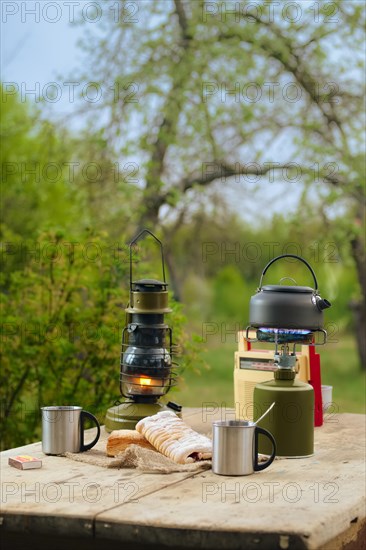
(62, 320)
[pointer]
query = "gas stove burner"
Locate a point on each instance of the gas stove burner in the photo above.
(284, 335)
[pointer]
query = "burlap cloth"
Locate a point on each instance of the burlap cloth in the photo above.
(137, 457)
(141, 459)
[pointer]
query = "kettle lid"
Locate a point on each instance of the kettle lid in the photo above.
(284, 288)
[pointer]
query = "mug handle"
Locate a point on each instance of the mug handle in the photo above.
(83, 416)
(258, 467)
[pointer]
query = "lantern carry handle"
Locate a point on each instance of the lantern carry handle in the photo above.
(289, 256)
(146, 231)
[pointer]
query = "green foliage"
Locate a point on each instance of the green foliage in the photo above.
(188, 344)
(230, 297)
(34, 173)
(50, 178)
(62, 319)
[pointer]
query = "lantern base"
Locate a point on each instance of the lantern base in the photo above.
(126, 415)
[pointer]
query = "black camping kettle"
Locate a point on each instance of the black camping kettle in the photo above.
(288, 307)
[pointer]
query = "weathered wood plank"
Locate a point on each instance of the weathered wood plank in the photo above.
(302, 503)
(308, 500)
(65, 496)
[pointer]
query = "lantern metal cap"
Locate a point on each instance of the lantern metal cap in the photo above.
(149, 285)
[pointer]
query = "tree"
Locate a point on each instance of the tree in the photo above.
(53, 178)
(214, 96)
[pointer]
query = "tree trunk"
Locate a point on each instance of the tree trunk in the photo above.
(174, 280)
(359, 307)
(153, 196)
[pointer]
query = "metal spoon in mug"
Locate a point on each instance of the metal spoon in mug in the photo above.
(267, 411)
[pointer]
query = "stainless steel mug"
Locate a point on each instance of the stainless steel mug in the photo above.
(63, 430)
(235, 448)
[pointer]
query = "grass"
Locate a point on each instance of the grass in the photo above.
(339, 368)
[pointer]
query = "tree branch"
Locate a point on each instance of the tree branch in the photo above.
(292, 62)
(182, 18)
(222, 170)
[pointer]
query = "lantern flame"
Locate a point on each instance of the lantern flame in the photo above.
(145, 381)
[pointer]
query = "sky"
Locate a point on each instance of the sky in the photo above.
(36, 50)
(39, 46)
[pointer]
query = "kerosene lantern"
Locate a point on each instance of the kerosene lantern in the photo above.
(287, 316)
(146, 370)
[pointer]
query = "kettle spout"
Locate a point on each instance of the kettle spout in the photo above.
(322, 304)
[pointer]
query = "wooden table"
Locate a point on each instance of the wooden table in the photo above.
(312, 503)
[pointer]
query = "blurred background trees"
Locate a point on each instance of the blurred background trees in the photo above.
(225, 98)
(235, 135)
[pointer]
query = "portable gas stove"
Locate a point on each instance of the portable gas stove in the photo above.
(253, 365)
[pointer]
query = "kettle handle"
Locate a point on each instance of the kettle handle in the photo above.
(289, 256)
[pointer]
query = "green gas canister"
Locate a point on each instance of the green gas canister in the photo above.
(291, 421)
